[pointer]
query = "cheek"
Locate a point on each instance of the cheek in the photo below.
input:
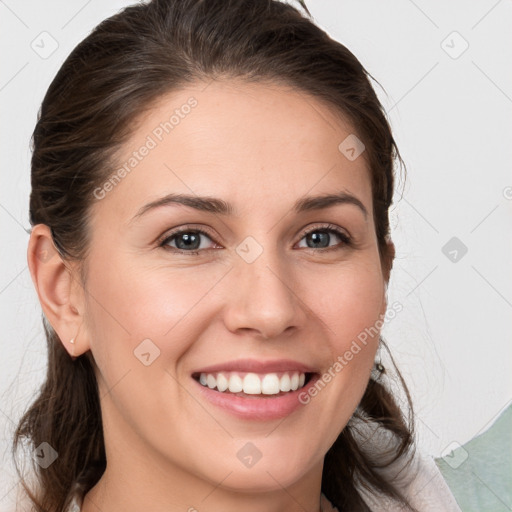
(350, 303)
(138, 328)
(351, 308)
(129, 304)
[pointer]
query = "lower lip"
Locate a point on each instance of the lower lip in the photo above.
(261, 407)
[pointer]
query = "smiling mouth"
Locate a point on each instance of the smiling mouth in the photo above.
(254, 385)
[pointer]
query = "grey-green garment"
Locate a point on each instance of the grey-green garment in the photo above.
(479, 473)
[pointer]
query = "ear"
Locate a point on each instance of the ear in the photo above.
(59, 290)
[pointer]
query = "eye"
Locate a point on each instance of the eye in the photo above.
(322, 237)
(191, 241)
(186, 240)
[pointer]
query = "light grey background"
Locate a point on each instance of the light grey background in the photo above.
(451, 114)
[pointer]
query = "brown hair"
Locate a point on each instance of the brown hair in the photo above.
(129, 61)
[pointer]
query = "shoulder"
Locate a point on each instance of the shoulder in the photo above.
(421, 482)
(415, 474)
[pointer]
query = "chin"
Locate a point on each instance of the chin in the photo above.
(273, 470)
(261, 480)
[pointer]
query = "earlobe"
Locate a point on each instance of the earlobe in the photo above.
(55, 283)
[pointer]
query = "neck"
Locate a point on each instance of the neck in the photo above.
(110, 495)
(138, 475)
(131, 482)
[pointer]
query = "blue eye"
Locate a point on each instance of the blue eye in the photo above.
(186, 240)
(192, 240)
(321, 238)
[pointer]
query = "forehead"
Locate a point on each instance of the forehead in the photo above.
(249, 143)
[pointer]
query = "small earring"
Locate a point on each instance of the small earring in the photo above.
(72, 340)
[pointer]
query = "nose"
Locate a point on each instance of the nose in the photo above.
(262, 299)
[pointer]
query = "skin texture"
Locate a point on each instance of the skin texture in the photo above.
(259, 147)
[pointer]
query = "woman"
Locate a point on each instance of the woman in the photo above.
(210, 246)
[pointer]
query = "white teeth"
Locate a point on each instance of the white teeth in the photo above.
(222, 382)
(285, 384)
(253, 383)
(211, 381)
(270, 384)
(295, 381)
(235, 384)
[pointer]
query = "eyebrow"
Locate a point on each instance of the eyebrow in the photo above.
(219, 206)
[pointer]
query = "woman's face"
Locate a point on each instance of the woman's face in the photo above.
(263, 282)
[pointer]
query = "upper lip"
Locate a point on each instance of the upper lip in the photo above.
(257, 366)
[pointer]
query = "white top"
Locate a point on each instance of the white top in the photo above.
(420, 481)
(428, 492)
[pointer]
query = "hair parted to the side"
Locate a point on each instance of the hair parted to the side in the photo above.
(116, 73)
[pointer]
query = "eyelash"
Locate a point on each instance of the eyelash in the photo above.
(327, 228)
